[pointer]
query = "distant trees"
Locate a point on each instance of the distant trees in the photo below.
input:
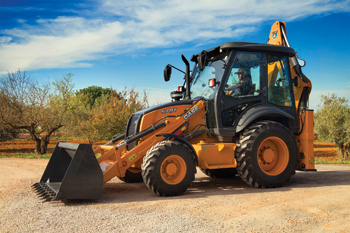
(39, 108)
(110, 114)
(93, 94)
(332, 123)
(43, 108)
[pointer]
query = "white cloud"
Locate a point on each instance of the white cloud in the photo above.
(5, 39)
(131, 25)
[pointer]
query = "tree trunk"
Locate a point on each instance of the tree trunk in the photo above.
(347, 151)
(38, 150)
(343, 151)
(44, 142)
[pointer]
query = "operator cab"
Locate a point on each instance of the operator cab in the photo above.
(242, 83)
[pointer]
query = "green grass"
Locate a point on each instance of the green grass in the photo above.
(26, 155)
(62, 138)
(331, 162)
(20, 139)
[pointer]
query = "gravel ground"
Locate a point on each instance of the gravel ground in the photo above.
(312, 202)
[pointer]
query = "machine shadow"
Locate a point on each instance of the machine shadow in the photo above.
(203, 186)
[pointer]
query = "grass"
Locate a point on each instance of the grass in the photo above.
(318, 161)
(26, 155)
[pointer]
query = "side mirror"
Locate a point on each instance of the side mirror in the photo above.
(167, 73)
(202, 59)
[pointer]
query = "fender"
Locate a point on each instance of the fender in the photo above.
(258, 111)
(183, 140)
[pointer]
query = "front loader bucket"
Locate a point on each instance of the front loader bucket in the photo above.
(72, 173)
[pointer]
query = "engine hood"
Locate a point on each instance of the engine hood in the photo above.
(164, 105)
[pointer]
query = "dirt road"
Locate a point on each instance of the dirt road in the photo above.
(312, 202)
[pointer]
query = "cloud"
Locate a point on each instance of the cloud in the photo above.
(126, 26)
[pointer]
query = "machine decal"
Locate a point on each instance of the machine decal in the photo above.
(190, 113)
(274, 35)
(132, 157)
(170, 110)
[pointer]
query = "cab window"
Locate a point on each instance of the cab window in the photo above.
(279, 81)
(244, 78)
(214, 68)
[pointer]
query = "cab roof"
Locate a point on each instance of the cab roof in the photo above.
(252, 47)
(257, 47)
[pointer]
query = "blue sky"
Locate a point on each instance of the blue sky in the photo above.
(120, 43)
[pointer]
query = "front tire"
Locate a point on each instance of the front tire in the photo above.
(266, 155)
(168, 169)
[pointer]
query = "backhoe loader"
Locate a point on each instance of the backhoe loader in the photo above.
(242, 109)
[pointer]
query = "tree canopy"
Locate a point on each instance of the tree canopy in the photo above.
(332, 122)
(37, 107)
(93, 94)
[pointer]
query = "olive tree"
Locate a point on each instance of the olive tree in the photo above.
(332, 122)
(93, 94)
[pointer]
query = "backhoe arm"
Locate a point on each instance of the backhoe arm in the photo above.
(302, 85)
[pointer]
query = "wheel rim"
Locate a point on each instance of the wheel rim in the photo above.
(273, 156)
(173, 169)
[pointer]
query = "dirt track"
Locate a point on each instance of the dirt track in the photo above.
(312, 202)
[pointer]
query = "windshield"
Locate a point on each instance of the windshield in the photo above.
(214, 68)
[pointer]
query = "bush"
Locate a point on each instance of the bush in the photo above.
(7, 133)
(110, 114)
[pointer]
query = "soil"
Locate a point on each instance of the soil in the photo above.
(312, 202)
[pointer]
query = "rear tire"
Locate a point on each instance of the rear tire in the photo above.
(168, 169)
(266, 155)
(223, 173)
(131, 177)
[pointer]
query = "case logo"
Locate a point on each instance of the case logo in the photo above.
(190, 113)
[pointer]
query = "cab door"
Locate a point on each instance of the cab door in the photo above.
(242, 87)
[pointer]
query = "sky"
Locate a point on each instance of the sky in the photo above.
(120, 43)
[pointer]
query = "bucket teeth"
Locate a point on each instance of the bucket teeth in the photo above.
(40, 192)
(45, 196)
(43, 191)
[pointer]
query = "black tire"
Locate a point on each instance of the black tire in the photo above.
(131, 177)
(223, 173)
(155, 165)
(251, 165)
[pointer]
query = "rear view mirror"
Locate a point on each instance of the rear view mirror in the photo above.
(202, 59)
(167, 73)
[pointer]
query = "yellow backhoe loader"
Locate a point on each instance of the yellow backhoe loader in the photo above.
(242, 109)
